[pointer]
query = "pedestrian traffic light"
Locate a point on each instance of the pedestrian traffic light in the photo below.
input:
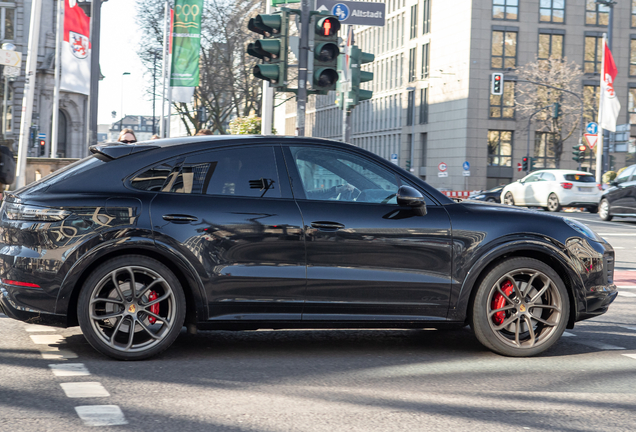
(524, 163)
(42, 145)
(326, 51)
(358, 76)
(273, 49)
(496, 83)
(555, 110)
(579, 153)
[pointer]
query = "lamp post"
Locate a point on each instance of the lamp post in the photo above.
(121, 122)
(412, 154)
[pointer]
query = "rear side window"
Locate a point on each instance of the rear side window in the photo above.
(154, 178)
(585, 178)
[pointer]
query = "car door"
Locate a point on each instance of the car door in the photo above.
(367, 258)
(619, 197)
(543, 187)
(228, 212)
(630, 188)
(529, 184)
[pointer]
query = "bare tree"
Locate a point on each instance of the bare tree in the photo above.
(227, 87)
(551, 132)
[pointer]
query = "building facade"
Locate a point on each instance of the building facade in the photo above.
(431, 89)
(142, 125)
(72, 124)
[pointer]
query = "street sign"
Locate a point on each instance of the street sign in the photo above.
(394, 158)
(10, 58)
(442, 174)
(518, 166)
(466, 166)
(11, 71)
(42, 136)
(466, 173)
(442, 167)
(591, 128)
(591, 139)
(354, 12)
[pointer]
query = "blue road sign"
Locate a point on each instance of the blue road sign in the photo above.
(591, 128)
(41, 136)
(466, 166)
(341, 10)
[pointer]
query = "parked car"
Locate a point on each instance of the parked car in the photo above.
(492, 195)
(243, 233)
(620, 199)
(553, 189)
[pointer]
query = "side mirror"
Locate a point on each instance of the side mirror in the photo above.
(410, 197)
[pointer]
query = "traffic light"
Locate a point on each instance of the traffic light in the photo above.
(496, 84)
(531, 163)
(273, 49)
(358, 76)
(579, 153)
(42, 145)
(408, 165)
(326, 51)
(524, 163)
(555, 110)
(34, 136)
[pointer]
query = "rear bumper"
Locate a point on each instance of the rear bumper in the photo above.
(22, 313)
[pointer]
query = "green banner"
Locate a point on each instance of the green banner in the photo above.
(186, 43)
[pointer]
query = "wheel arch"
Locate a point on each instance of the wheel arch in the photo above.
(545, 253)
(196, 305)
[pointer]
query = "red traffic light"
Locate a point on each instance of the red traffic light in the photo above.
(497, 77)
(42, 142)
(329, 27)
(582, 147)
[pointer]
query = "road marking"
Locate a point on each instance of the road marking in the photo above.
(568, 334)
(54, 353)
(630, 356)
(39, 328)
(629, 328)
(47, 339)
(101, 415)
(618, 247)
(626, 286)
(69, 369)
(599, 345)
(626, 294)
(84, 389)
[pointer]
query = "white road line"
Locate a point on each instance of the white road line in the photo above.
(101, 415)
(69, 369)
(47, 339)
(629, 328)
(626, 286)
(618, 247)
(599, 345)
(568, 334)
(626, 294)
(54, 353)
(84, 389)
(630, 356)
(38, 328)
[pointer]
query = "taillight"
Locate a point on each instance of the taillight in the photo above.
(24, 212)
(19, 283)
(599, 186)
(566, 185)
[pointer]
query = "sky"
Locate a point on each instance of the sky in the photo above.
(120, 38)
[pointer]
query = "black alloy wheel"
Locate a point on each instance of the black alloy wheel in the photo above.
(521, 308)
(553, 203)
(604, 210)
(509, 199)
(131, 308)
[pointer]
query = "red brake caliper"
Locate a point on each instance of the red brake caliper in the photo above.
(499, 301)
(154, 308)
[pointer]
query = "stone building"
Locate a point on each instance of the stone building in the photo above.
(142, 125)
(433, 64)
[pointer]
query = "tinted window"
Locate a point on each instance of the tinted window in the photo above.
(246, 172)
(624, 176)
(154, 178)
(585, 178)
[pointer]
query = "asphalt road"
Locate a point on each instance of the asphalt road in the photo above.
(331, 380)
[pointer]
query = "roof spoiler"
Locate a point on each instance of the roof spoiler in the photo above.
(112, 151)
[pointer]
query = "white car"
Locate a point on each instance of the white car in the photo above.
(553, 189)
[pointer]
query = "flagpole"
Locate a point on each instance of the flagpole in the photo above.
(61, 4)
(170, 31)
(29, 91)
(164, 71)
(600, 144)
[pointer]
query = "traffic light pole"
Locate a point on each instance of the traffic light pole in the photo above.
(267, 102)
(345, 87)
(301, 96)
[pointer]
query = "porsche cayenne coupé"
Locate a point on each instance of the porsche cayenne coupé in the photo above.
(136, 242)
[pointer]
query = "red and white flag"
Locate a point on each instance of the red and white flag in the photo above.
(76, 50)
(609, 104)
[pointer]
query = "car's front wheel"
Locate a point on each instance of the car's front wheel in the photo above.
(509, 199)
(131, 308)
(553, 203)
(521, 308)
(604, 210)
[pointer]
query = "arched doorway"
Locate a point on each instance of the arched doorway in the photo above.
(61, 134)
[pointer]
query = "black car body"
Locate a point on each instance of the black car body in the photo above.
(620, 199)
(245, 233)
(491, 195)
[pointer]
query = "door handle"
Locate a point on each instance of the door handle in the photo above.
(178, 218)
(327, 225)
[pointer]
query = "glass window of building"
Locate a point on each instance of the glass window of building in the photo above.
(410, 108)
(505, 9)
(596, 14)
(412, 58)
(632, 56)
(552, 11)
(426, 23)
(425, 60)
(550, 46)
(593, 54)
(423, 106)
(7, 23)
(503, 106)
(544, 154)
(633, 14)
(504, 49)
(414, 21)
(631, 105)
(500, 148)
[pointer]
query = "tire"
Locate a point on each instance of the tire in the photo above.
(509, 199)
(501, 322)
(604, 210)
(108, 303)
(592, 209)
(553, 203)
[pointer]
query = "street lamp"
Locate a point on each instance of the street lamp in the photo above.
(121, 122)
(412, 155)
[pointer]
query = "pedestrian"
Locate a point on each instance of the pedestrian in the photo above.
(204, 132)
(127, 136)
(155, 136)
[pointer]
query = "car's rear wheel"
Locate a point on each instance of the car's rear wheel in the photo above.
(521, 308)
(131, 308)
(553, 203)
(592, 209)
(509, 199)
(604, 210)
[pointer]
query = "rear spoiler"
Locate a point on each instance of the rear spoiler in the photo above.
(112, 151)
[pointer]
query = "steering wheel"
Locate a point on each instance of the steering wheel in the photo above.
(350, 195)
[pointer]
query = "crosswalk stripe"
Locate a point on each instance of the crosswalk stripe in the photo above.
(599, 345)
(39, 328)
(47, 339)
(54, 353)
(626, 294)
(568, 334)
(101, 415)
(84, 389)
(69, 369)
(630, 356)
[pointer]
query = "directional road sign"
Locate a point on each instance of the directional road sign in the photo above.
(591, 128)
(354, 12)
(10, 58)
